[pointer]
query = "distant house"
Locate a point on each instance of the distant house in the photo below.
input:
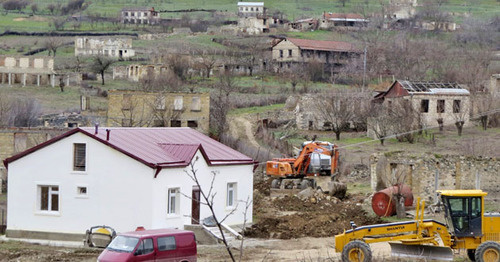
(130, 108)
(123, 178)
(290, 52)
(448, 102)
(251, 9)
(330, 20)
(112, 47)
(304, 24)
(140, 15)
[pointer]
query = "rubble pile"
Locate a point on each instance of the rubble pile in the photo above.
(308, 213)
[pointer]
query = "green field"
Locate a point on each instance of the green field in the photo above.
(291, 9)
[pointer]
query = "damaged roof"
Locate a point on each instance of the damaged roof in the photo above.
(156, 147)
(405, 87)
(343, 17)
(307, 44)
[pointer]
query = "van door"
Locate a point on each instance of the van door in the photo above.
(145, 250)
(167, 249)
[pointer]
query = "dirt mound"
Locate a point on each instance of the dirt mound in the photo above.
(289, 216)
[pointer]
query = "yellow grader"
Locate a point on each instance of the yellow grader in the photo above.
(467, 227)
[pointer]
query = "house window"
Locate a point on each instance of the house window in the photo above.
(166, 243)
(178, 103)
(281, 53)
(196, 104)
(173, 201)
(289, 52)
(160, 103)
(257, 9)
(456, 106)
(175, 123)
(126, 122)
(49, 198)
(127, 102)
(440, 106)
(81, 191)
(424, 106)
(79, 154)
(231, 194)
(192, 124)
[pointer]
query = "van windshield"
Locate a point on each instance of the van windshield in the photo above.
(123, 244)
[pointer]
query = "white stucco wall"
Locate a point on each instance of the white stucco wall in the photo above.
(122, 192)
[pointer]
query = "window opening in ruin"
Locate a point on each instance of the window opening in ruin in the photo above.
(456, 106)
(192, 124)
(440, 106)
(175, 123)
(424, 106)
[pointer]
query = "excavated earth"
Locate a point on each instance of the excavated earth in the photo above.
(286, 215)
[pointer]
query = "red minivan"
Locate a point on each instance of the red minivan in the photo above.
(170, 245)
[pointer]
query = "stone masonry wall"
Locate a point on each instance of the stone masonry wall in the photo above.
(419, 171)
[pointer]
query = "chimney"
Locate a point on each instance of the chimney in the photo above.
(107, 134)
(96, 129)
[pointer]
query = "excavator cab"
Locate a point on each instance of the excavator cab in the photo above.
(464, 212)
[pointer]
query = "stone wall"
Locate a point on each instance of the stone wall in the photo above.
(113, 47)
(420, 171)
(142, 109)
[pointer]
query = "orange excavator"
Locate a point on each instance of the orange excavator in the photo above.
(316, 159)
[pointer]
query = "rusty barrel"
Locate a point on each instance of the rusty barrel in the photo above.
(383, 202)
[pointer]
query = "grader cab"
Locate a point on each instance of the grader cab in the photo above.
(467, 227)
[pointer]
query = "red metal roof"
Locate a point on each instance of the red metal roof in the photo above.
(322, 45)
(342, 16)
(157, 147)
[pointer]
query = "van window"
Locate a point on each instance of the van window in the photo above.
(145, 247)
(166, 243)
(123, 244)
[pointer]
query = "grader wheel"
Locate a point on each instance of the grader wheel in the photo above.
(356, 251)
(488, 252)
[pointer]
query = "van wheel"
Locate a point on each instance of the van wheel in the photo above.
(488, 252)
(356, 251)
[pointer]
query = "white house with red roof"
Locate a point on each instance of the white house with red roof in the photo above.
(123, 178)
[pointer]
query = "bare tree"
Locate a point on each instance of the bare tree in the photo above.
(406, 119)
(221, 102)
(100, 64)
(52, 44)
(207, 199)
(25, 112)
(5, 108)
(179, 64)
(34, 8)
(380, 122)
(337, 111)
(207, 60)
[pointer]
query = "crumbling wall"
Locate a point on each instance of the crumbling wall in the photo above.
(420, 171)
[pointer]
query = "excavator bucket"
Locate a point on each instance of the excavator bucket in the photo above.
(421, 251)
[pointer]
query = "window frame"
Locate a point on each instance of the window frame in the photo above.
(173, 193)
(441, 106)
(424, 106)
(231, 195)
(168, 247)
(50, 193)
(79, 168)
(457, 106)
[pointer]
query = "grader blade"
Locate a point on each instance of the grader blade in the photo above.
(421, 251)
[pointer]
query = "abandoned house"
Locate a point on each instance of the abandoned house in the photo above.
(304, 24)
(435, 103)
(124, 178)
(137, 72)
(112, 47)
(28, 70)
(401, 9)
(140, 15)
(331, 20)
(129, 108)
(288, 53)
(251, 9)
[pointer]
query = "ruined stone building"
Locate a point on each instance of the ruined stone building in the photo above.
(28, 70)
(401, 9)
(112, 47)
(139, 15)
(251, 9)
(449, 102)
(427, 172)
(129, 108)
(289, 52)
(137, 72)
(331, 20)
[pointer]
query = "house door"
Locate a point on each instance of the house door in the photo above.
(195, 206)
